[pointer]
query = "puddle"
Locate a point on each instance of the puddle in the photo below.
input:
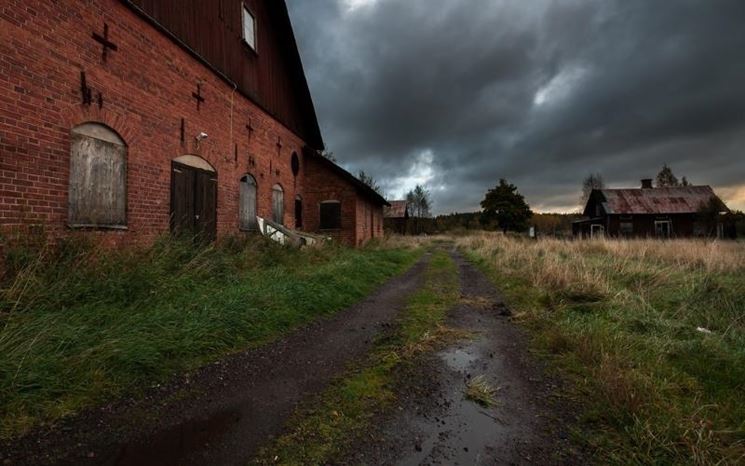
(171, 446)
(458, 359)
(464, 433)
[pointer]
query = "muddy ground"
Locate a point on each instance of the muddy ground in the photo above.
(223, 413)
(434, 423)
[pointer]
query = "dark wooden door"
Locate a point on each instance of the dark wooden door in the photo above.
(193, 202)
(298, 213)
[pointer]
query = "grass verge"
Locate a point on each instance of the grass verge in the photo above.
(79, 325)
(319, 434)
(651, 333)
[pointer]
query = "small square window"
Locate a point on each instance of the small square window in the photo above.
(330, 215)
(249, 27)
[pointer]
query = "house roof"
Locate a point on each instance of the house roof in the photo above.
(361, 187)
(679, 200)
(397, 209)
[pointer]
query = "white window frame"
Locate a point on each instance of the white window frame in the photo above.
(669, 228)
(597, 230)
(246, 12)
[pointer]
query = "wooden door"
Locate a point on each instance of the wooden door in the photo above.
(298, 213)
(193, 202)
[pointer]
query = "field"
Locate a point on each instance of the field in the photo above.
(80, 326)
(649, 335)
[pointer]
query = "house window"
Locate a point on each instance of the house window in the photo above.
(97, 195)
(330, 215)
(626, 228)
(278, 204)
(663, 228)
(249, 28)
(247, 216)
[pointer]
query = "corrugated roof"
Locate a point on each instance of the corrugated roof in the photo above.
(681, 200)
(396, 210)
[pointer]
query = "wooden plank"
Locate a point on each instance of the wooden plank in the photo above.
(278, 205)
(98, 183)
(182, 199)
(247, 204)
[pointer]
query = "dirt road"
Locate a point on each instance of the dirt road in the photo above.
(224, 413)
(435, 423)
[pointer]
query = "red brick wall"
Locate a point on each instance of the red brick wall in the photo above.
(361, 219)
(147, 89)
(323, 185)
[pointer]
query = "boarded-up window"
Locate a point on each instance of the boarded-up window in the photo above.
(248, 203)
(330, 215)
(98, 178)
(278, 204)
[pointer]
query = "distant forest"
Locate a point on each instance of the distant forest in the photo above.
(545, 224)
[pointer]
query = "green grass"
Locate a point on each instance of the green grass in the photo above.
(317, 435)
(623, 329)
(79, 326)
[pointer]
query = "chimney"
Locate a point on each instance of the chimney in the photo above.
(647, 183)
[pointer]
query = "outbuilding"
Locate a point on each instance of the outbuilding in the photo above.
(665, 212)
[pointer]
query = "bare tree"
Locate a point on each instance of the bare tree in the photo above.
(591, 181)
(328, 155)
(370, 181)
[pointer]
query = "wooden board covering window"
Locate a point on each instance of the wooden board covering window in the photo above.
(248, 204)
(98, 182)
(278, 204)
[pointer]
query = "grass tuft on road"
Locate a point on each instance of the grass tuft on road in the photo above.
(651, 333)
(318, 434)
(81, 325)
(480, 391)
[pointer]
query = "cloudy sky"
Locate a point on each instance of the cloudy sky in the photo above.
(455, 94)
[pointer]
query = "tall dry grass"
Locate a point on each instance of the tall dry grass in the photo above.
(652, 332)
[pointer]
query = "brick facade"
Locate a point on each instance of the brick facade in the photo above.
(145, 89)
(361, 218)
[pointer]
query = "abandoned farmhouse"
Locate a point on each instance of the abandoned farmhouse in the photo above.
(127, 119)
(662, 212)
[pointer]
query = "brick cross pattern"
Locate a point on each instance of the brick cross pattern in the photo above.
(198, 96)
(106, 44)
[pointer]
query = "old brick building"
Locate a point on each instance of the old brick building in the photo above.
(129, 119)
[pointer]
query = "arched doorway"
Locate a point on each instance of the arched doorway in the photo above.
(298, 212)
(278, 204)
(193, 198)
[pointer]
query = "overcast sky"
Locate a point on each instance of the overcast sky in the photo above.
(455, 94)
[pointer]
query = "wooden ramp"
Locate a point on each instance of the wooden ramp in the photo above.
(284, 235)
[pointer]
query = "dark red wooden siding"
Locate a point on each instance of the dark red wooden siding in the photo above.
(271, 76)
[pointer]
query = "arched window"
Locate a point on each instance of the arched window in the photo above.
(98, 178)
(330, 215)
(278, 204)
(247, 216)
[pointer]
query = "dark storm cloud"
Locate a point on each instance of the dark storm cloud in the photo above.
(461, 93)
